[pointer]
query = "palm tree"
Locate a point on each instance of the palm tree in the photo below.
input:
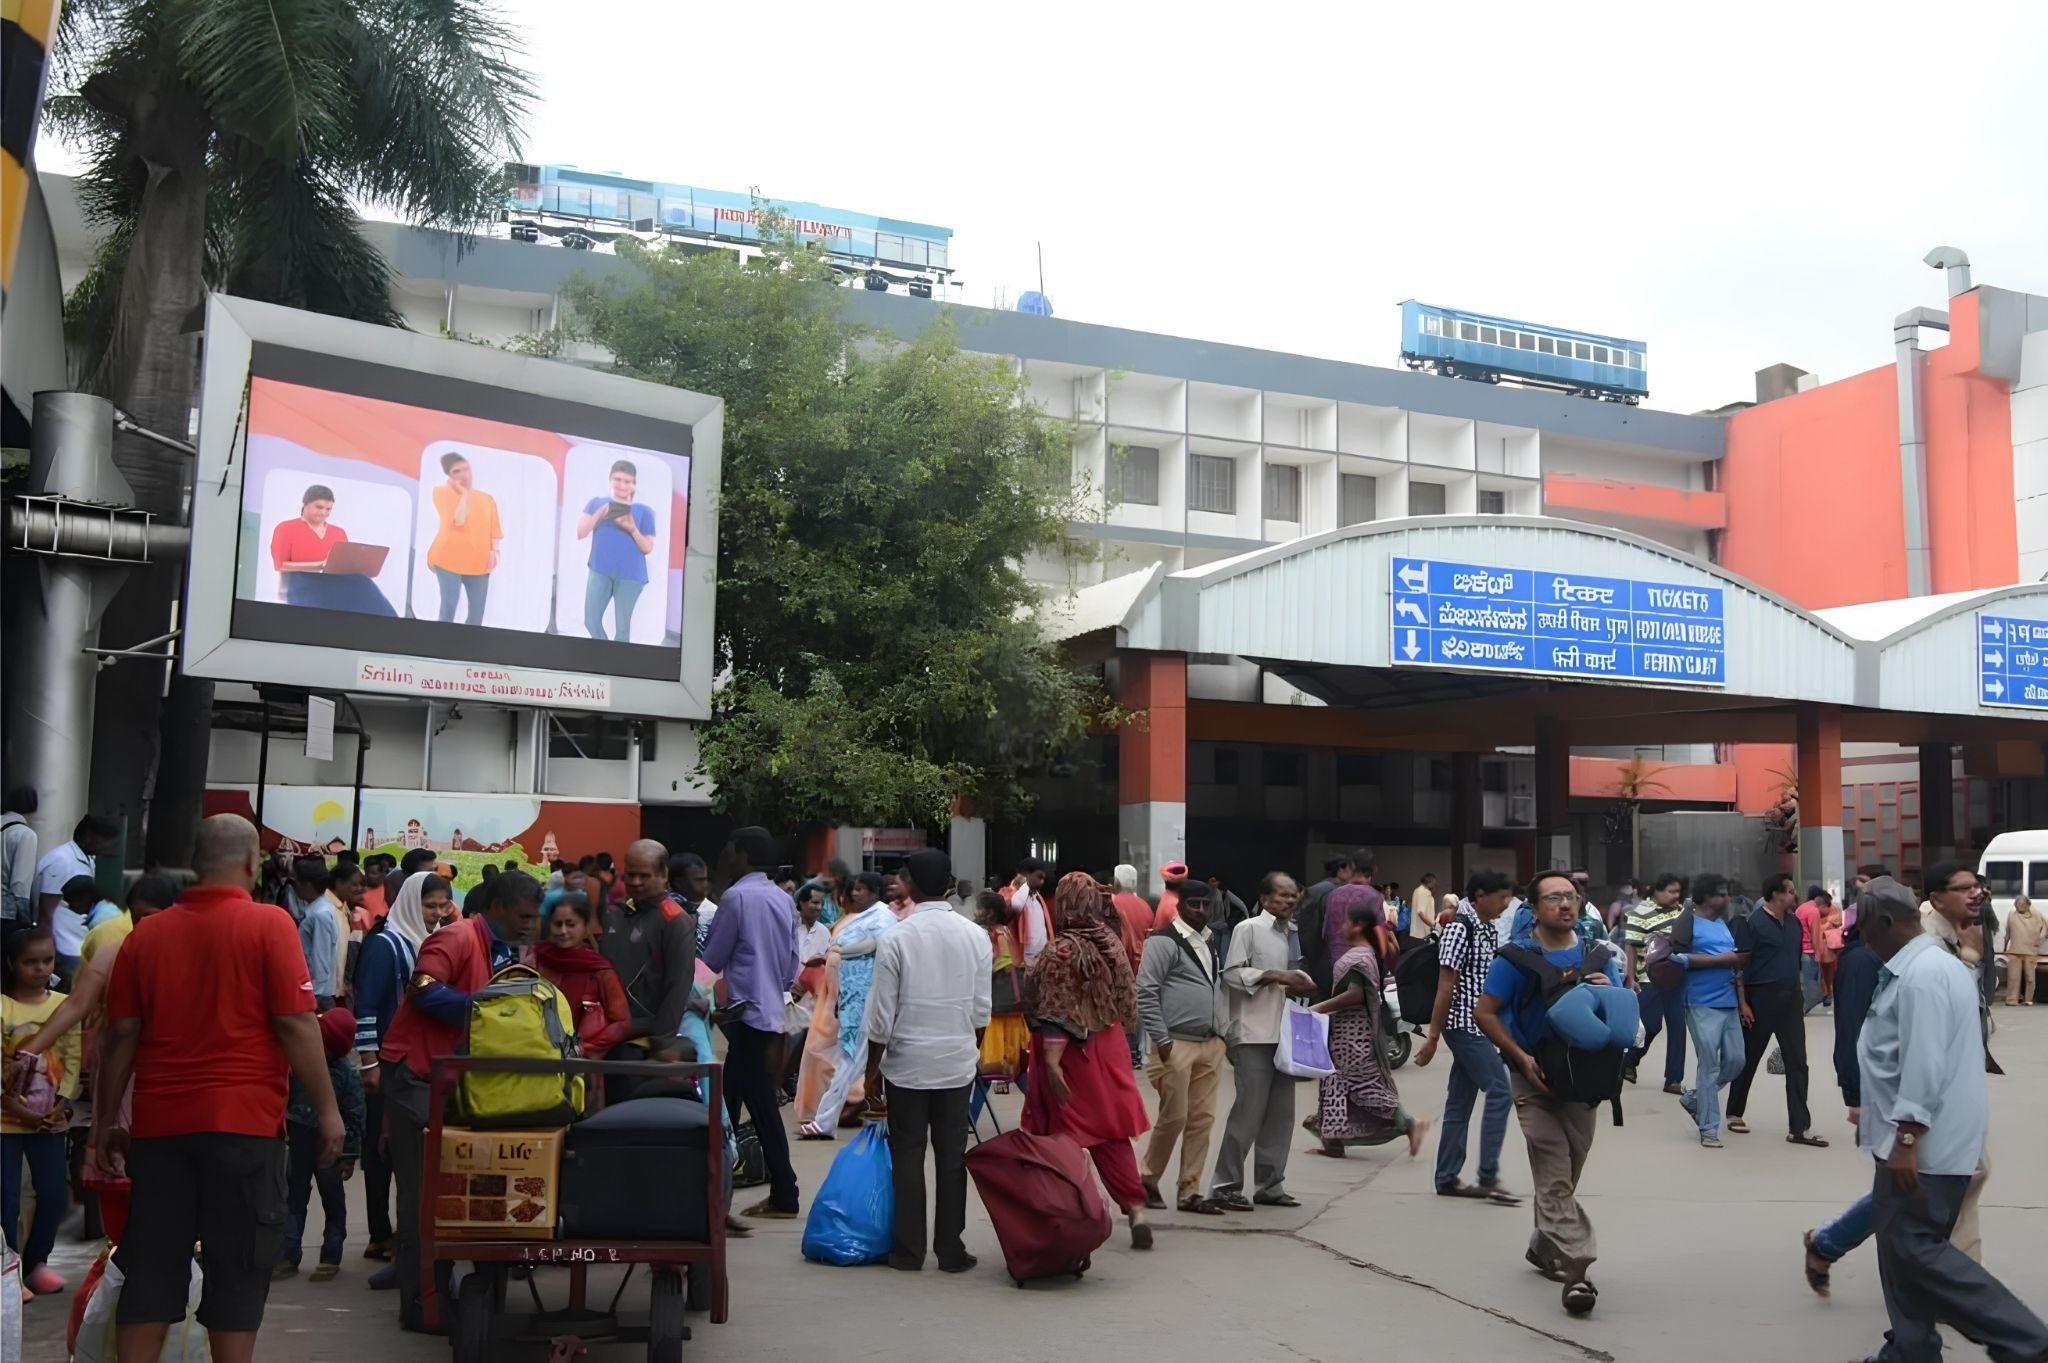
(228, 141)
(1634, 780)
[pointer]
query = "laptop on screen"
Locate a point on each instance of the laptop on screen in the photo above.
(351, 557)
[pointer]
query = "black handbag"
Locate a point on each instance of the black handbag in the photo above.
(749, 1165)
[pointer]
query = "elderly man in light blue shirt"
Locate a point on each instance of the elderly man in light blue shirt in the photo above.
(1925, 1111)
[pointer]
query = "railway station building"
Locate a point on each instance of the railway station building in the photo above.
(1234, 577)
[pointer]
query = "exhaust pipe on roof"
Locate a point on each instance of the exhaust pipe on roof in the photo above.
(1955, 267)
(1913, 440)
(1954, 264)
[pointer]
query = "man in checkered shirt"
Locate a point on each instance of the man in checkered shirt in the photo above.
(1465, 947)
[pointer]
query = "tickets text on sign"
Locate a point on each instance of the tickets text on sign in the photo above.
(509, 685)
(2012, 661)
(1557, 623)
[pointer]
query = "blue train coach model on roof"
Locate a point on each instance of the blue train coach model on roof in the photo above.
(1472, 345)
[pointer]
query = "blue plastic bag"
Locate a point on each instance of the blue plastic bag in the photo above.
(853, 1217)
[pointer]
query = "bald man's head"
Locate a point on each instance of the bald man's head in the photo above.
(646, 870)
(226, 851)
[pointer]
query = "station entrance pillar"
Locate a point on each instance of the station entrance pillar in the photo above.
(1467, 812)
(1553, 795)
(1152, 763)
(1821, 857)
(1937, 803)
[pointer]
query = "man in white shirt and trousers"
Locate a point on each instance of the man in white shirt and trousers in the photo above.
(926, 1010)
(1924, 1116)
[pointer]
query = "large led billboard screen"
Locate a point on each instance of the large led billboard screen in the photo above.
(381, 511)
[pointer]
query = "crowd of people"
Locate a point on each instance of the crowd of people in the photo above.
(262, 1046)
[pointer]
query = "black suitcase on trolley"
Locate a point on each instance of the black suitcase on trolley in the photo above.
(637, 1171)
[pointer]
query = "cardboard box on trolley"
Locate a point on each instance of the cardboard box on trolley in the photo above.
(498, 1185)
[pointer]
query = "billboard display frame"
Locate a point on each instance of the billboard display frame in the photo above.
(437, 375)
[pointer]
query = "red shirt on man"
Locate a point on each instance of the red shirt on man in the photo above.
(205, 977)
(1137, 916)
(458, 956)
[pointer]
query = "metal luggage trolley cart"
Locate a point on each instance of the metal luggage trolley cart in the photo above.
(684, 1274)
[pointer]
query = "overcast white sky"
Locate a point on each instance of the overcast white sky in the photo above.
(1735, 184)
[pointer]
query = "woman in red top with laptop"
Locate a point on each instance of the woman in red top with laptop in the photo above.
(317, 566)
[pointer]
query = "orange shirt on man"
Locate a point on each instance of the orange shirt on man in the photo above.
(205, 977)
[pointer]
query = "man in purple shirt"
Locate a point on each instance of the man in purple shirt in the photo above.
(1333, 923)
(753, 944)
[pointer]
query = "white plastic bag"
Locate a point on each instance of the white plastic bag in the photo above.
(186, 1342)
(1304, 1044)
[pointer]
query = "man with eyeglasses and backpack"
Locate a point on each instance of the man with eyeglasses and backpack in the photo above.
(1557, 1095)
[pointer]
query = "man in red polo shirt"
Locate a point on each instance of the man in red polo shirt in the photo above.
(432, 1020)
(209, 1003)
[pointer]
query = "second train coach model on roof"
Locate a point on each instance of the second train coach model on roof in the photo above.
(1472, 345)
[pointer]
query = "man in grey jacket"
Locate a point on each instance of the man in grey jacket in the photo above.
(1182, 1011)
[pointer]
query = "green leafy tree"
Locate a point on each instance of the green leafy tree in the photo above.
(227, 142)
(874, 618)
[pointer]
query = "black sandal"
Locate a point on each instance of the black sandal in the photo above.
(1580, 1297)
(1807, 1138)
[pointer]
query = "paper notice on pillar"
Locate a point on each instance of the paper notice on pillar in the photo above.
(319, 729)
(504, 685)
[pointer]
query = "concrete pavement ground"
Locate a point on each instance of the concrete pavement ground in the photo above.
(1699, 1259)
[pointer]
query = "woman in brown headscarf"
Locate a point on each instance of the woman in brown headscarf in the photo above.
(1082, 999)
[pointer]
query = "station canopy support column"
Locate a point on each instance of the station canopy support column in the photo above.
(1937, 802)
(1553, 795)
(1821, 860)
(1152, 762)
(1467, 811)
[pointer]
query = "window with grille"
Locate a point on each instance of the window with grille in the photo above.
(599, 736)
(1283, 492)
(1492, 503)
(1425, 499)
(1357, 498)
(1135, 477)
(1212, 484)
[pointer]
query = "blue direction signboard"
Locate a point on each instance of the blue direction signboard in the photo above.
(1560, 623)
(2012, 664)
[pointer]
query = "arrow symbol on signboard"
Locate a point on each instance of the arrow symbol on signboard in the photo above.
(1414, 577)
(1411, 648)
(1995, 687)
(1994, 630)
(1411, 610)
(1994, 660)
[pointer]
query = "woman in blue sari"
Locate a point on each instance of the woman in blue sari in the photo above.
(868, 921)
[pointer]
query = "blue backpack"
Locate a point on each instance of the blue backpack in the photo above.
(1402, 920)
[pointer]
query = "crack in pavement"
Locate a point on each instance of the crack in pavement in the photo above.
(1300, 1236)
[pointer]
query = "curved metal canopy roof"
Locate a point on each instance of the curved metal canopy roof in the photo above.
(1325, 601)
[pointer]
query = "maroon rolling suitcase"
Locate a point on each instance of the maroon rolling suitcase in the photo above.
(1041, 1195)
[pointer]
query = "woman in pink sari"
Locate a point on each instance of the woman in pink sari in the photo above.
(1081, 997)
(1359, 1104)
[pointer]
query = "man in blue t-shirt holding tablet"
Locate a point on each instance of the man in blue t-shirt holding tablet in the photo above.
(621, 535)
(1512, 1013)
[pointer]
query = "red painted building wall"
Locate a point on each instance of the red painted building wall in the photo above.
(1812, 483)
